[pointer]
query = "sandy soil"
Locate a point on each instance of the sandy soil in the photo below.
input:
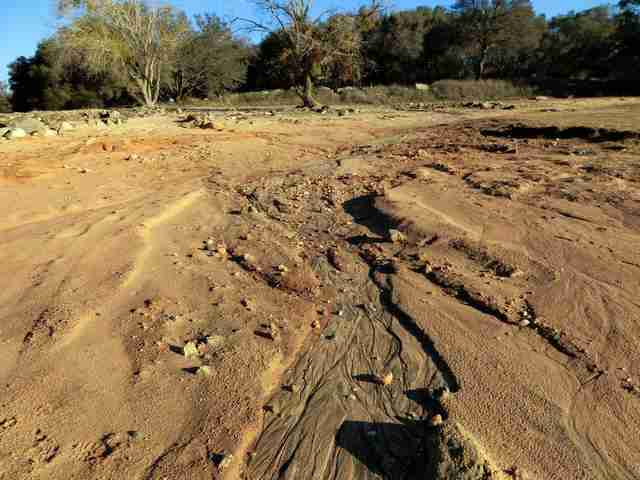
(448, 294)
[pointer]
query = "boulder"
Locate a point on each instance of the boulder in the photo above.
(423, 87)
(64, 126)
(15, 133)
(28, 125)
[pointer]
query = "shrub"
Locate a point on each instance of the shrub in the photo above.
(478, 90)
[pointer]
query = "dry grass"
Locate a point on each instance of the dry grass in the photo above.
(452, 90)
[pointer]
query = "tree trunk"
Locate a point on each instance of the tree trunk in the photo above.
(481, 64)
(307, 93)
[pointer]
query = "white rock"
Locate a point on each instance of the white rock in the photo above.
(15, 133)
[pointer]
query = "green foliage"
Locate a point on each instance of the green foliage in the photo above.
(395, 48)
(579, 45)
(101, 59)
(478, 90)
(54, 79)
(209, 60)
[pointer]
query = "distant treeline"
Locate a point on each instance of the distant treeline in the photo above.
(206, 57)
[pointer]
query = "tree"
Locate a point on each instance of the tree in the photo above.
(267, 68)
(129, 35)
(5, 103)
(56, 78)
(307, 49)
(627, 58)
(486, 24)
(208, 61)
(579, 45)
(396, 48)
(343, 37)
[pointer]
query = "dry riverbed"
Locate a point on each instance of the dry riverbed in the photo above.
(416, 293)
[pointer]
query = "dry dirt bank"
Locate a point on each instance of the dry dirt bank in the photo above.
(386, 294)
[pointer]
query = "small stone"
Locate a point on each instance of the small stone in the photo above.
(248, 258)
(387, 379)
(283, 268)
(215, 341)
(436, 420)
(315, 324)
(133, 157)
(270, 408)
(396, 236)
(225, 462)
(205, 370)
(525, 323)
(190, 350)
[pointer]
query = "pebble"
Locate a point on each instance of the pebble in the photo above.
(436, 420)
(387, 379)
(396, 236)
(190, 350)
(226, 462)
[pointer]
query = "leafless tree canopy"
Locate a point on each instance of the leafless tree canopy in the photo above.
(128, 35)
(311, 44)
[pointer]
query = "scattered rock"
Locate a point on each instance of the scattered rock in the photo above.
(64, 127)
(14, 133)
(190, 350)
(215, 341)
(499, 148)
(271, 331)
(386, 379)
(225, 462)
(111, 117)
(436, 420)
(28, 125)
(396, 236)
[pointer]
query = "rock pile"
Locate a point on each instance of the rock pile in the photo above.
(204, 121)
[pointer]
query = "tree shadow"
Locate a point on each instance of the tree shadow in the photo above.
(395, 451)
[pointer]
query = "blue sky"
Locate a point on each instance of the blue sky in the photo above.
(25, 22)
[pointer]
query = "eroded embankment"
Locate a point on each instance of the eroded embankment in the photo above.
(365, 400)
(461, 339)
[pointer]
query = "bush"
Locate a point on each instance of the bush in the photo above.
(478, 90)
(453, 90)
